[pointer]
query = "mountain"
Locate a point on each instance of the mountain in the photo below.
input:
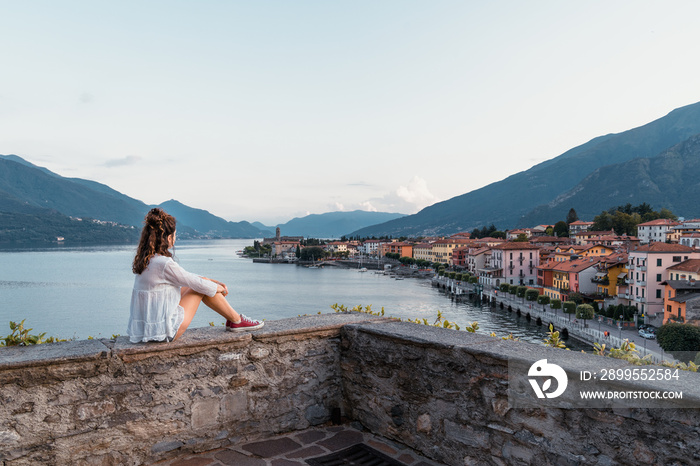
(506, 202)
(40, 188)
(211, 225)
(35, 195)
(334, 224)
(670, 180)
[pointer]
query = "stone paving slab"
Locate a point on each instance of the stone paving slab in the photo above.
(294, 448)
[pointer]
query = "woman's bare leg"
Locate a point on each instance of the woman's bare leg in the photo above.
(220, 305)
(190, 299)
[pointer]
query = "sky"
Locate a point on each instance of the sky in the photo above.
(270, 110)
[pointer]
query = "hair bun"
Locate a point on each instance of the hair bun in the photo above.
(155, 218)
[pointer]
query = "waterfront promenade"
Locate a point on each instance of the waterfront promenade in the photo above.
(592, 331)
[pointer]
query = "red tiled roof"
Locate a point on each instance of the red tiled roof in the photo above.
(691, 265)
(512, 245)
(659, 222)
(576, 265)
(663, 247)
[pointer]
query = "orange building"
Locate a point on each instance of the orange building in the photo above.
(682, 301)
(401, 248)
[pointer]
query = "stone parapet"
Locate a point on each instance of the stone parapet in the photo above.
(446, 393)
(442, 392)
(113, 402)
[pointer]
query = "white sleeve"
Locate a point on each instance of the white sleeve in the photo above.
(179, 276)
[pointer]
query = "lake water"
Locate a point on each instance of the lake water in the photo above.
(76, 292)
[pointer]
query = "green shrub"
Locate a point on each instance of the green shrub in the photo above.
(531, 295)
(679, 338)
(20, 336)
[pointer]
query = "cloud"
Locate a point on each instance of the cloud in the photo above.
(368, 207)
(338, 207)
(416, 193)
(407, 199)
(128, 160)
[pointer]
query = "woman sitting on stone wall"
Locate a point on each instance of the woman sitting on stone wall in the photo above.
(165, 296)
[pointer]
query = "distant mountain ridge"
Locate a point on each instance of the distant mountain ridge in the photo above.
(28, 189)
(36, 197)
(508, 203)
(334, 224)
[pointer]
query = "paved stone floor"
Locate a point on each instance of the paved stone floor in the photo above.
(295, 448)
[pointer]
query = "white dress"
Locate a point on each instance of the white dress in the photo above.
(156, 313)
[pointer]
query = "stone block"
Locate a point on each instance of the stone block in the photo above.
(205, 413)
(166, 446)
(234, 406)
(89, 411)
(317, 414)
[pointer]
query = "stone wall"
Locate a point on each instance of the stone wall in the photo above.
(112, 402)
(442, 392)
(446, 394)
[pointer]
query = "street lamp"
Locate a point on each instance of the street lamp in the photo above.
(619, 325)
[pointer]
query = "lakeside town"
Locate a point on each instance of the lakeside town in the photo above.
(655, 274)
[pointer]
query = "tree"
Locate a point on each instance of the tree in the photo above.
(555, 304)
(531, 295)
(522, 238)
(576, 297)
(312, 253)
(520, 291)
(561, 229)
(585, 312)
(681, 340)
(571, 217)
(665, 213)
(569, 308)
(543, 299)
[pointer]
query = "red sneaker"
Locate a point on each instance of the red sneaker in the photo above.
(245, 324)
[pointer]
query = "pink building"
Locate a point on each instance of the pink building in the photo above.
(647, 270)
(516, 263)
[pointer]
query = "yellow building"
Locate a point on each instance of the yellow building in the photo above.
(612, 274)
(442, 249)
(598, 250)
(423, 251)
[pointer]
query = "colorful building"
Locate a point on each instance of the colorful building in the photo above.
(682, 301)
(647, 267)
(442, 249)
(517, 262)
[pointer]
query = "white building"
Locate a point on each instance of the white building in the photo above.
(659, 230)
(370, 247)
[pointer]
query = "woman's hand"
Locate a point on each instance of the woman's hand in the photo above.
(221, 288)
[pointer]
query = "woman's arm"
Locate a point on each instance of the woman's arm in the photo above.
(221, 287)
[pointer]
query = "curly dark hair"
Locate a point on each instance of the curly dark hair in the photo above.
(158, 225)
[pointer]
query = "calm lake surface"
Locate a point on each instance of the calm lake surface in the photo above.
(76, 292)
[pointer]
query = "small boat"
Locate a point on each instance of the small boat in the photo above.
(363, 269)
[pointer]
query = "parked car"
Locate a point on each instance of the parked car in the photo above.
(647, 334)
